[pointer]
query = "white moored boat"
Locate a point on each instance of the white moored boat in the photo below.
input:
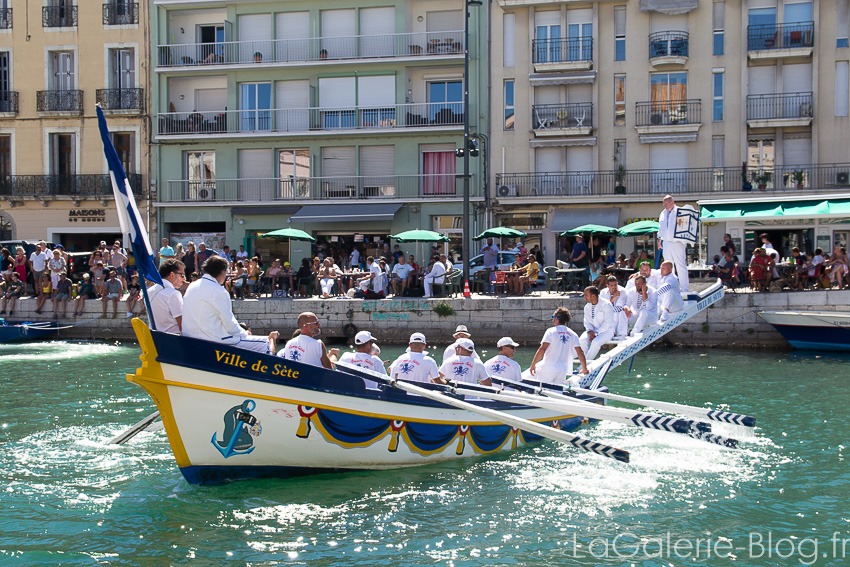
(812, 330)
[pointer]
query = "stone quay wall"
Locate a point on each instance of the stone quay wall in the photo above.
(730, 323)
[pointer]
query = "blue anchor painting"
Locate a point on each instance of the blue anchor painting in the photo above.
(239, 425)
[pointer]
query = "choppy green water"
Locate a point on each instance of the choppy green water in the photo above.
(68, 498)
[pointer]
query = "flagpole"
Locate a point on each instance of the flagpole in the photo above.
(147, 299)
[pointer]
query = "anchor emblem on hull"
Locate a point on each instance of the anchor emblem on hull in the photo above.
(239, 428)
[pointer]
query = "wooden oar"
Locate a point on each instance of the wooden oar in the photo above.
(694, 429)
(693, 411)
(135, 430)
(502, 417)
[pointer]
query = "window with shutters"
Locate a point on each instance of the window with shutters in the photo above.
(8, 101)
(719, 22)
(255, 105)
(842, 88)
(125, 145)
(293, 168)
(338, 29)
(62, 71)
(377, 29)
(256, 181)
(619, 100)
(255, 34)
(718, 148)
(292, 30)
(338, 172)
(377, 171)
(63, 154)
(5, 155)
(509, 40)
(547, 33)
(200, 175)
(842, 23)
(619, 33)
(761, 158)
(122, 72)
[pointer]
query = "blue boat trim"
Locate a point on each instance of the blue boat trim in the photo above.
(827, 337)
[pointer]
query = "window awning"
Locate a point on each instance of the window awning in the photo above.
(566, 219)
(765, 209)
(542, 79)
(359, 212)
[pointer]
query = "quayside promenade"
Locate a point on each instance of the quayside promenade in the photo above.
(732, 323)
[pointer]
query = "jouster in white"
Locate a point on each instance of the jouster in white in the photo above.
(673, 249)
(616, 294)
(642, 308)
(669, 297)
(599, 323)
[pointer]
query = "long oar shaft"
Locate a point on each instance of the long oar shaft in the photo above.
(714, 415)
(694, 429)
(135, 430)
(518, 422)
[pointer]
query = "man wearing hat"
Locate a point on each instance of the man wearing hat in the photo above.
(363, 357)
(503, 364)
(461, 332)
(415, 365)
(463, 367)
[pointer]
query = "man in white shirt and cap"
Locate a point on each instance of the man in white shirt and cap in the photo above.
(673, 250)
(306, 347)
(503, 364)
(166, 302)
(616, 294)
(642, 309)
(556, 351)
(599, 323)
(415, 365)
(669, 297)
(436, 276)
(208, 313)
(461, 332)
(463, 367)
(362, 357)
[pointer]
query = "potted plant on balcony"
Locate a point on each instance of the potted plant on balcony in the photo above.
(620, 179)
(762, 180)
(799, 177)
(745, 182)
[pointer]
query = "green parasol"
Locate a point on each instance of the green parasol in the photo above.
(501, 231)
(419, 235)
(592, 228)
(289, 234)
(639, 228)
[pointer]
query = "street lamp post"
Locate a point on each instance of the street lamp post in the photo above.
(467, 146)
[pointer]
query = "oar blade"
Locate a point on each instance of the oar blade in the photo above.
(733, 418)
(605, 450)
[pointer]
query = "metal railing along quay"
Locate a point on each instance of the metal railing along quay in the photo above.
(94, 185)
(300, 190)
(413, 115)
(780, 106)
(312, 49)
(818, 177)
(780, 36)
(572, 115)
(669, 112)
(561, 50)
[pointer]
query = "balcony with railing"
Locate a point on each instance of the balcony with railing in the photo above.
(668, 48)
(438, 115)
(121, 101)
(773, 41)
(419, 45)
(66, 102)
(44, 186)
(59, 16)
(5, 18)
(654, 182)
(668, 120)
(8, 103)
(574, 54)
(353, 188)
(120, 13)
(780, 110)
(574, 119)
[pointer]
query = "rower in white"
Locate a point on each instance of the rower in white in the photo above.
(363, 357)
(599, 323)
(463, 367)
(503, 364)
(556, 350)
(669, 297)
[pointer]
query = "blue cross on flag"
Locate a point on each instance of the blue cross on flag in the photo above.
(128, 214)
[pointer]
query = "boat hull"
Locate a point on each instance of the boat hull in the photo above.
(22, 332)
(812, 330)
(231, 414)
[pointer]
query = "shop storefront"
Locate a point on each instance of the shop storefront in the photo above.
(806, 222)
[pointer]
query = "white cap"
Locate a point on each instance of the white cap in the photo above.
(417, 338)
(465, 343)
(461, 329)
(506, 341)
(363, 337)
(519, 244)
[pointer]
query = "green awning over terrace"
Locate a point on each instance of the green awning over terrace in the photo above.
(766, 209)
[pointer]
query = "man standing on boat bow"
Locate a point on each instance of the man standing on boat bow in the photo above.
(673, 249)
(555, 353)
(306, 347)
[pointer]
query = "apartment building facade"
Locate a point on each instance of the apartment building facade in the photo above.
(58, 58)
(602, 108)
(338, 118)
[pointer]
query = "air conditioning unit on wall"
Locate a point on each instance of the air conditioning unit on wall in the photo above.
(506, 191)
(205, 194)
(842, 178)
